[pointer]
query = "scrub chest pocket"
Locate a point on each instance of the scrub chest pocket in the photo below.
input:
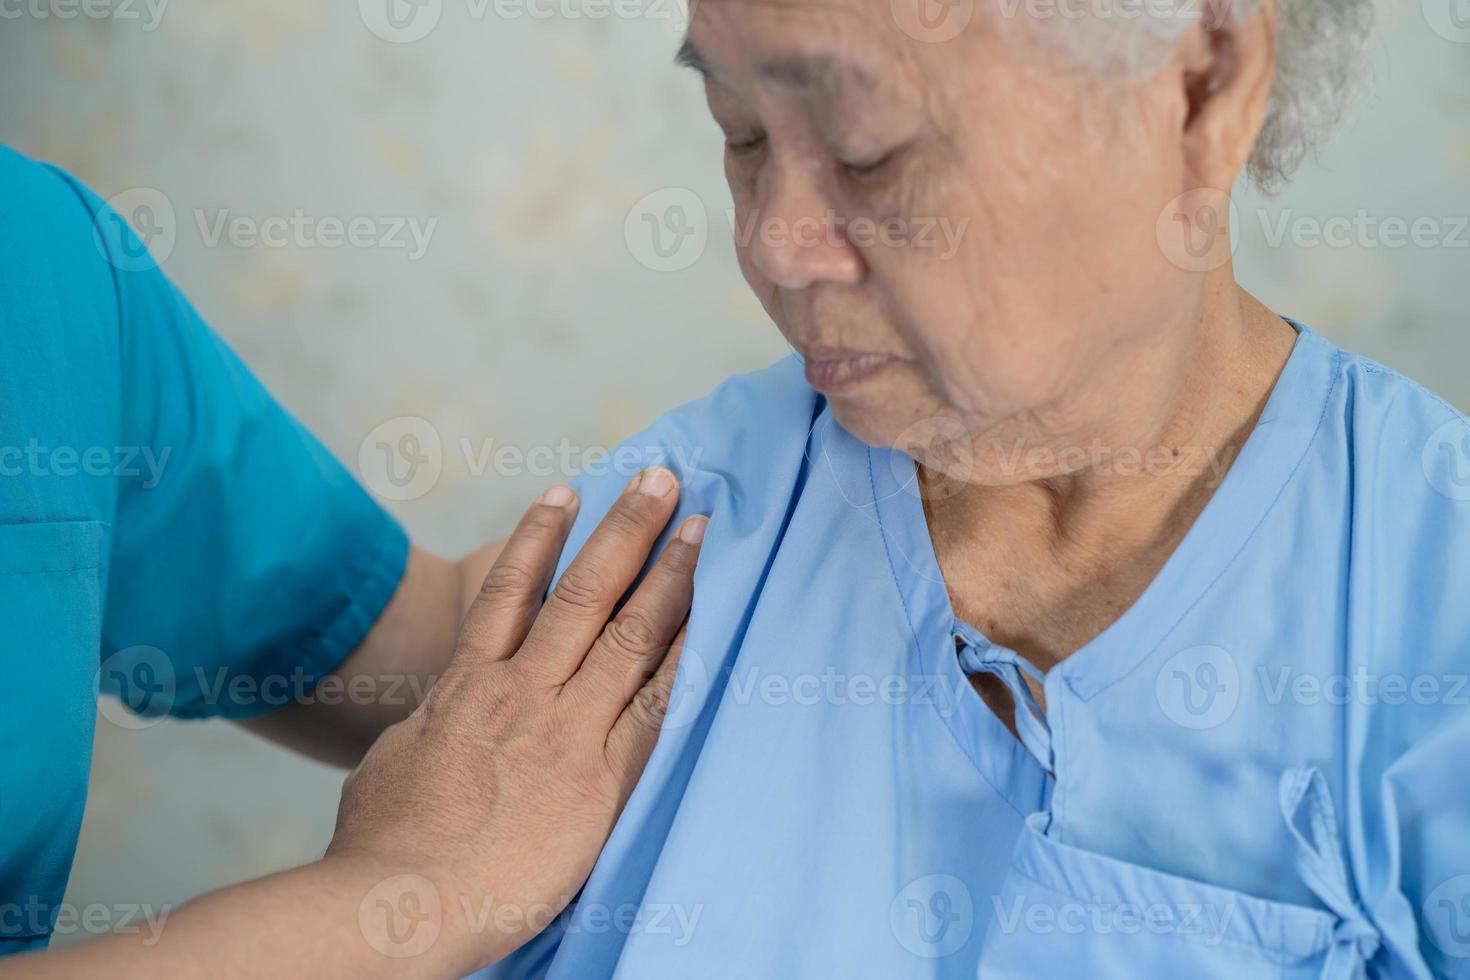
(50, 614)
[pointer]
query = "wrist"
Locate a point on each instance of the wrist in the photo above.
(412, 921)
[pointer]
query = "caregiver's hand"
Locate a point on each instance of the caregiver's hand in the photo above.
(471, 823)
(503, 786)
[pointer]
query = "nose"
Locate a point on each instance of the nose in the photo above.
(797, 239)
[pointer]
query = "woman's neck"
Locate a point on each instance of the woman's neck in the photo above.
(1045, 564)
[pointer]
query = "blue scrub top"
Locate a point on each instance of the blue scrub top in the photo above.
(1260, 770)
(168, 533)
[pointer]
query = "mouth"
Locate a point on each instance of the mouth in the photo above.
(833, 372)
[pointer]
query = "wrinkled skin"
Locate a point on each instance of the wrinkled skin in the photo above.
(1055, 326)
(1058, 296)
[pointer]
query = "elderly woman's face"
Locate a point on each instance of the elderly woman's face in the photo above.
(956, 230)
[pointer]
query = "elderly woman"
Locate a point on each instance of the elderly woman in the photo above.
(1064, 611)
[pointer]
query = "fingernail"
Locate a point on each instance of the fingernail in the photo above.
(692, 530)
(656, 482)
(558, 496)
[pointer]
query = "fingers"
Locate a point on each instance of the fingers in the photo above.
(635, 733)
(583, 599)
(503, 611)
(636, 641)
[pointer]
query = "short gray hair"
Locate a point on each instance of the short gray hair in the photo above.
(1321, 47)
(1320, 60)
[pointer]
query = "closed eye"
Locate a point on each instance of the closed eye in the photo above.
(745, 146)
(869, 167)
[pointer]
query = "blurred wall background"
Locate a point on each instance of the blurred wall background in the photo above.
(560, 273)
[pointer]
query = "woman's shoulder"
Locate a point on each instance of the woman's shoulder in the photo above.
(774, 400)
(737, 452)
(1404, 439)
(732, 425)
(1405, 454)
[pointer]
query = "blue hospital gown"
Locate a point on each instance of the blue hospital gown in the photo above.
(1260, 768)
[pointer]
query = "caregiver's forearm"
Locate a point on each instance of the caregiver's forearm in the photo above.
(390, 672)
(336, 918)
(458, 837)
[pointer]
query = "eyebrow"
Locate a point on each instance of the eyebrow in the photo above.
(797, 71)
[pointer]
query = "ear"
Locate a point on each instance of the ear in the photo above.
(1227, 65)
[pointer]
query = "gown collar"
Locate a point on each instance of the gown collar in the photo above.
(886, 490)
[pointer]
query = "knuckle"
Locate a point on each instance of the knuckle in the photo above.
(650, 705)
(632, 632)
(510, 580)
(582, 588)
(629, 517)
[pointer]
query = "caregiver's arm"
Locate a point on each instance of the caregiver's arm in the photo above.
(472, 823)
(393, 668)
(398, 661)
(250, 574)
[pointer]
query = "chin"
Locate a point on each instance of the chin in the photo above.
(868, 420)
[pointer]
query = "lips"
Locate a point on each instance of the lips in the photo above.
(832, 372)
